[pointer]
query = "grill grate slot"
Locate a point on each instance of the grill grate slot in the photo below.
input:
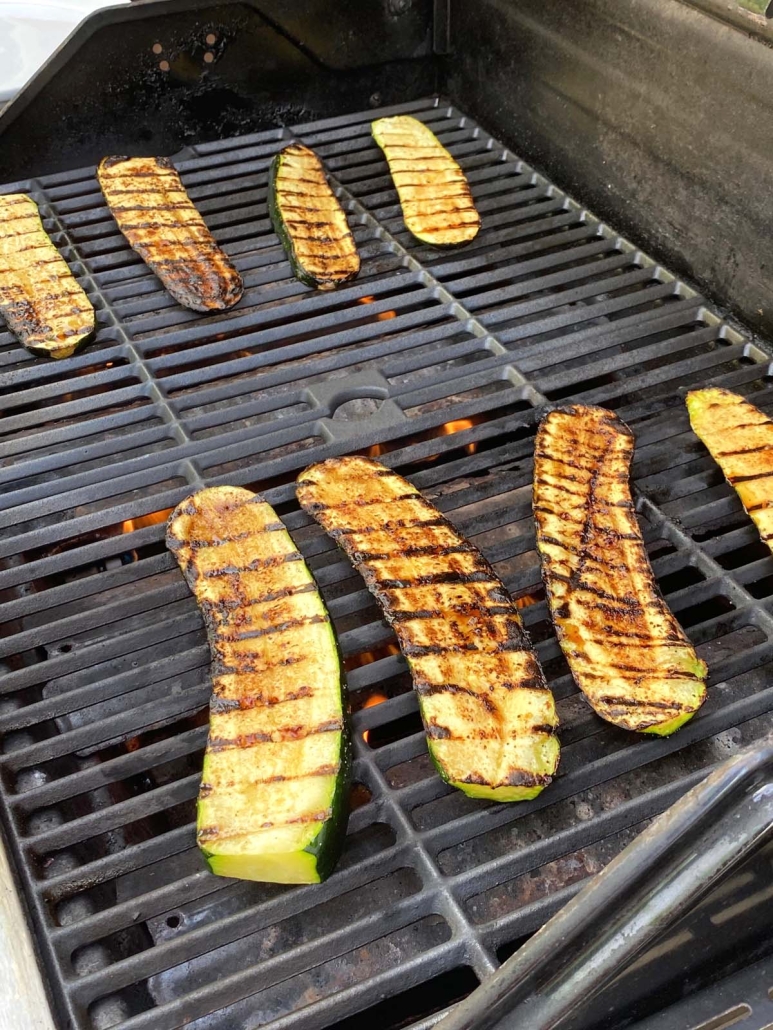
(441, 364)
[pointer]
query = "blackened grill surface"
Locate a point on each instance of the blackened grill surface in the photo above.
(441, 363)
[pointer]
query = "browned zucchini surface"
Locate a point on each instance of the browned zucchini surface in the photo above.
(433, 190)
(41, 301)
(309, 220)
(273, 802)
(740, 439)
(488, 714)
(628, 654)
(155, 214)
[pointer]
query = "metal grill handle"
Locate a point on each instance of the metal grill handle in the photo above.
(654, 881)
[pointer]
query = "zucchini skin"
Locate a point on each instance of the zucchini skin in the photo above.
(440, 210)
(155, 214)
(327, 257)
(628, 654)
(489, 716)
(739, 438)
(278, 745)
(42, 303)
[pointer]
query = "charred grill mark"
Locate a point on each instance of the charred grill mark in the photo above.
(210, 833)
(760, 506)
(469, 608)
(273, 595)
(279, 627)
(284, 733)
(363, 557)
(361, 502)
(749, 425)
(540, 454)
(514, 778)
(250, 534)
(387, 526)
(221, 668)
(439, 579)
(744, 450)
(323, 770)
(632, 702)
(436, 732)
(750, 478)
(411, 650)
(253, 566)
(432, 689)
(246, 702)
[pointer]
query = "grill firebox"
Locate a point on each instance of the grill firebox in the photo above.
(440, 363)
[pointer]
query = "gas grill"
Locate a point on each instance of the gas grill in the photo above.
(440, 364)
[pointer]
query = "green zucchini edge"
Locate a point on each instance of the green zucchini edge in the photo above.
(299, 270)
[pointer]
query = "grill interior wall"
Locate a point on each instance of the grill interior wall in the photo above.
(441, 363)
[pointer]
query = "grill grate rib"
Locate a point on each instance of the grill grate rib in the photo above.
(451, 358)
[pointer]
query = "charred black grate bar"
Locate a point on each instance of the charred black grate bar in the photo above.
(440, 363)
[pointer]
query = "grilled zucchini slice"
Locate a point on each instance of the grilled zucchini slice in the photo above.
(740, 439)
(434, 193)
(273, 803)
(42, 303)
(628, 654)
(488, 714)
(309, 221)
(155, 214)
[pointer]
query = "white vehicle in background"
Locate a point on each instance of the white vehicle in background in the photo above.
(30, 32)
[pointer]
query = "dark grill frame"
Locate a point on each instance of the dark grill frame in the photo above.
(548, 304)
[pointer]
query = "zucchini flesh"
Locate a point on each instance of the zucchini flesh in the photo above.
(628, 654)
(309, 220)
(41, 301)
(158, 219)
(273, 803)
(740, 439)
(487, 711)
(434, 193)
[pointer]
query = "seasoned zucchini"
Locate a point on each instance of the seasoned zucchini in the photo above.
(42, 303)
(740, 439)
(273, 803)
(488, 714)
(155, 214)
(628, 654)
(309, 221)
(434, 193)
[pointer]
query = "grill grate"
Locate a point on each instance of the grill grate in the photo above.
(441, 363)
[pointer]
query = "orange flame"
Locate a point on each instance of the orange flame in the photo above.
(371, 702)
(382, 316)
(141, 521)
(458, 426)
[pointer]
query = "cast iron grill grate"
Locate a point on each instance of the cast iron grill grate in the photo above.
(441, 363)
